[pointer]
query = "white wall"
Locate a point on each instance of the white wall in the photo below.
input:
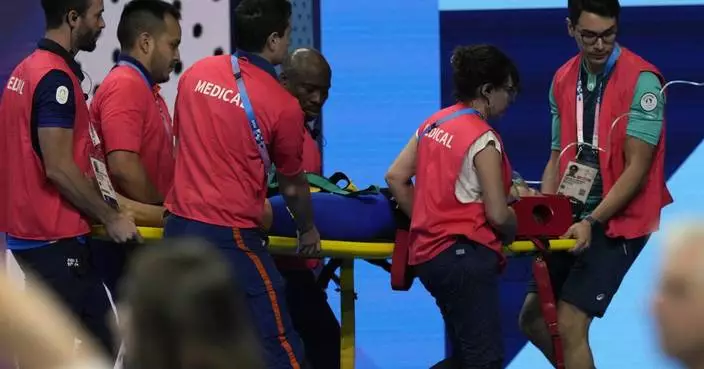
(211, 16)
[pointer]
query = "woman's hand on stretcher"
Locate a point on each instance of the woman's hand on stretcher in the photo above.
(522, 190)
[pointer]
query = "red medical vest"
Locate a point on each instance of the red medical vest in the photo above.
(31, 207)
(642, 215)
(219, 177)
(132, 116)
(438, 217)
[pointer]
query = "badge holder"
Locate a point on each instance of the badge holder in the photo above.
(100, 170)
(578, 179)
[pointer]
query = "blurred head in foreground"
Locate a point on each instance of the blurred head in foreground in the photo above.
(183, 310)
(679, 301)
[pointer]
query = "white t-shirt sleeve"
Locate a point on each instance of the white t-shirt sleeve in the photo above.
(467, 187)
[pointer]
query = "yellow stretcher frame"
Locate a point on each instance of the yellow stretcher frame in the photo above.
(348, 251)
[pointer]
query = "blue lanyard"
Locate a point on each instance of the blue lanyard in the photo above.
(253, 125)
(126, 63)
(608, 68)
(439, 122)
(164, 121)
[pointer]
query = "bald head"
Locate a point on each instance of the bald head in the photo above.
(679, 300)
(305, 60)
(306, 74)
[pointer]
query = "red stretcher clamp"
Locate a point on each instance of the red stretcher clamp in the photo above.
(548, 305)
(539, 219)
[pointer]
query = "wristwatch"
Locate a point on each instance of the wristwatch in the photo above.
(590, 219)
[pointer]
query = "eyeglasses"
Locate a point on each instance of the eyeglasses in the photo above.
(590, 38)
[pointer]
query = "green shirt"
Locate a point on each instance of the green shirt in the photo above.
(644, 123)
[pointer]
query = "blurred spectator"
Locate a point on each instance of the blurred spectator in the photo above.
(40, 333)
(679, 301)
(183, 310)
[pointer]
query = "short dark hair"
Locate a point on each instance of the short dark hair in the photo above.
(604, 8)
(476, 65)
(55, 11)
(140, 16)
(255, 20)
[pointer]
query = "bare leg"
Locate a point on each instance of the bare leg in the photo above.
(574, 330)
(533, 326)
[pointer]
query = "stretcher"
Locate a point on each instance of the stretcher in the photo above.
(348, 252)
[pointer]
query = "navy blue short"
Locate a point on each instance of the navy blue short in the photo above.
(464, 280)
(255, 270)
(111, 260)
(67, 268)
(589, 280)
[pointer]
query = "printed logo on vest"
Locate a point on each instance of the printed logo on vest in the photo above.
(649, 102)
(62, 95)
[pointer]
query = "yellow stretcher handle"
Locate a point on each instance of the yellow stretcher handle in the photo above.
(345, 249)
(348, 251)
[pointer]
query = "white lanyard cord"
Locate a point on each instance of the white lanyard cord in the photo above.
(613, 125)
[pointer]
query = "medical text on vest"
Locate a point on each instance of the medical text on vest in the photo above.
(441, 137)
(212, 90)
(15, 84)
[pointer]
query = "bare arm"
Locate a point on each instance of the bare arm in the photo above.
(144, 215)
(639, 156)
(296, 193)
(130, 176)
(40, 333)
(550, 179)
(57, 150)
(488, 163)
(288, 158)
(399, 176)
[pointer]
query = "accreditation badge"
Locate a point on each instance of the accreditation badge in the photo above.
(100, 170)
(577, 181)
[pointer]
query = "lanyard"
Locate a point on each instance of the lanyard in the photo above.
(439, 122)
(600, 91)
(164, 121)
(253, 125)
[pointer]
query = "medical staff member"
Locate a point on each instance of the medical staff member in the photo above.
(619, 187)
(458, 206)
(233, 120)
(307, 76)
(132, 118)
(47, 207)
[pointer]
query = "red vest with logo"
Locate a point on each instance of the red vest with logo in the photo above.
(31, 207)
(438, 217)
(642, 215)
